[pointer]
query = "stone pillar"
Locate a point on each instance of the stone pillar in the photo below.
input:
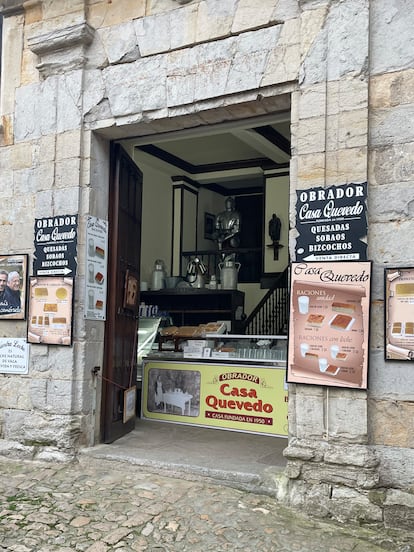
(329, 457)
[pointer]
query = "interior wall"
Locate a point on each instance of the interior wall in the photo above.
(157, 201)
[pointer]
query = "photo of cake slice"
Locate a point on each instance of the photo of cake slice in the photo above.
(99, 251)
(409, 328)
(315, 320)
(405, 290)
(396, 328)
(332, 370)
(345, 308)
(341, 322)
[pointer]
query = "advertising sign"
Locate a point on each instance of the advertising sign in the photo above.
(96, 268)
(55, 246)
(243, 398)
(329, 324)
(50, 310)
(14, 355)
(332, 223)
(399, 313)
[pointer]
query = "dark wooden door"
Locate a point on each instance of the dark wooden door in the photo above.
(120, 369)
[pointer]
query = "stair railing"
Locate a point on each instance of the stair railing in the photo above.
(270, 316)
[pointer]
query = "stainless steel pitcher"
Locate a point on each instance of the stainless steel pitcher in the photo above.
(229, 271)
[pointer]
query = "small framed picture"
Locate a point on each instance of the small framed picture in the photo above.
(131, 291)
(13, 286)
(209, 222)
(130, 399)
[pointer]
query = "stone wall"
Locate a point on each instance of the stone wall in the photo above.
(192, 63)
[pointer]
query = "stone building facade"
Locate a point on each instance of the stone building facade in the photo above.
(77, 74)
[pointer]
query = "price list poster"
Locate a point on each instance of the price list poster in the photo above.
(399, 314)
(329, 323)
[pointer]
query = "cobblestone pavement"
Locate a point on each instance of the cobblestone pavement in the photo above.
(100, 506)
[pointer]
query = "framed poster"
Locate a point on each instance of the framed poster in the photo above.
(50, 310)
(399, 314)
(13, 286)
(329, 323)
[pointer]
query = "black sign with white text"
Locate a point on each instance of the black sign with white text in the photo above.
(332, 223)
(55, 246)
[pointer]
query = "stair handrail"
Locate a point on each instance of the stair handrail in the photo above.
(282, 278)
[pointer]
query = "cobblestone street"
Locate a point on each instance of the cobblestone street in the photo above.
(99, 505)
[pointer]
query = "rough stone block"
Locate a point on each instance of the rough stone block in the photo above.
(347, 419)
(392, 89)
(391, 126)
(349, 504)
(104, 14)
(393, 24)
(391, 423)
(399, 510)
(396, 467)
(390, 164)
(351, 455)
(34, 429)
(387, 380)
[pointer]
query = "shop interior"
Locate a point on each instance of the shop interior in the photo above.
(234, 292)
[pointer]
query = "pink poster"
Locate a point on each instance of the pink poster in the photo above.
(329, 323)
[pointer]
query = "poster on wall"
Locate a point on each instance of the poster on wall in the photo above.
(14, 355)
(13, 286)
(55, 246)
(329, 323)
(399, 314)
(332, 223)
(252, 399)
(50, 310)
(96, 268)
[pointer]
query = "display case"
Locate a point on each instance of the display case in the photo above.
(231, 382)
(147, 334)
(257, 349)
(212, 347)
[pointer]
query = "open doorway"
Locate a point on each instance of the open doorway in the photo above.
(186, 178)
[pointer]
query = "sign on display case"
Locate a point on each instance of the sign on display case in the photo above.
(329, 323)
(399, 313)
(245, 398)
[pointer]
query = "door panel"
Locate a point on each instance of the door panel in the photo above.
(120, 368)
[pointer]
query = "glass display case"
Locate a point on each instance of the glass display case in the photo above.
(249, 348)
(147, 333)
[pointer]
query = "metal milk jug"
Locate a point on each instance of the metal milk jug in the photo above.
(158, 275)
(229, 271)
